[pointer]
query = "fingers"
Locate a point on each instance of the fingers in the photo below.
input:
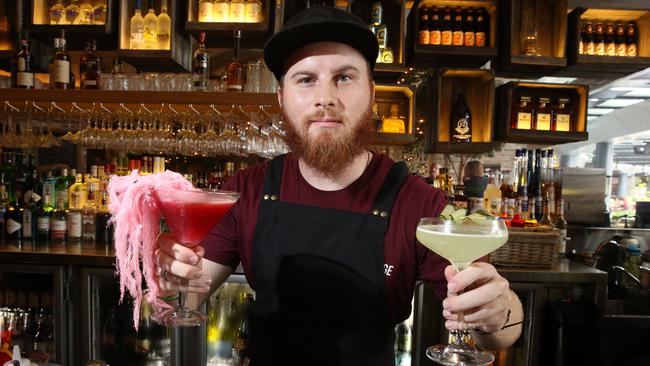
(171, 282)
(476, 273)
(169, 246)
(477, 297)
(176, 267)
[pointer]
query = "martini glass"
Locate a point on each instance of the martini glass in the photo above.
(461, 243)
(190, 216)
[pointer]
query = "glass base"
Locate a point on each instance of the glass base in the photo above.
(453, 355)
(179, 318)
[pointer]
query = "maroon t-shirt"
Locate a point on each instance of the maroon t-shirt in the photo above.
(406, 260)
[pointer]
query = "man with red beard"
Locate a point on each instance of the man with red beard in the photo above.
(326, 233)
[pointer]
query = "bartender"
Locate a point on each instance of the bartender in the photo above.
(326, 233)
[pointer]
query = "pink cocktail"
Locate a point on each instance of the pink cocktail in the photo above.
(190, 216)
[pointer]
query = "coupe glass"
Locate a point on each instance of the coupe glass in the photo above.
(190, 216)
(461, 243)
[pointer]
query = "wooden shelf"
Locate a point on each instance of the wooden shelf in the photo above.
(385, 96)
(466, 148)
(478, 88)
(507, 96)
(419, 55)
(606, 66)
(520, 17)
(392, 139)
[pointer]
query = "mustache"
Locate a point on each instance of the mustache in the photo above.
(323, 114)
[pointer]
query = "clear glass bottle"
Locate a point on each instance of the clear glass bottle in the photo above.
(137, 28)
(88, 218)
(206, 10)
(72, 13)
(237, 12)
(201, 65)
(164, 27)
(254, 11)
(235, 69)
(151, 28)
(57, 13)
(221, 11)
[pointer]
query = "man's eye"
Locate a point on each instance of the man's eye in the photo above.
(305, 80)
(345, 77)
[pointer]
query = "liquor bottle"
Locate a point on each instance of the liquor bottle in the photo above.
(221, 12)
(14, 222)
(403, 344)
(630, 41)
(29, 222)
(559, 222)
(22, 75)
(86, 13)
(469, 30)
(201, 65)
(55, 49)
(61, 68)
(57, 13)
(460, 121)
(546, 216)
(78, 193)
(381, 29)
(610, 41)
(61, 188)
(163, 27)
(590, 46)
(104, 232)
(237, 13)
(599, 40)
(424, 32)
(99, 13)
(522, 187)
(537, 185)
(206, 9)
(522, 114)
(254, 12)
(446, 33)
(562, 116)
(72, 13)
(90, 66)
(49, 188)
(151, 28)
(542, 120)
(492, 195)
(137, 28)
(73, 217)
(435, 36)
(43, 216)
(235, 69)
(458, 36)
(621, 47)
(481, 31)
(393, 124)
(582, 42)
(507, 202)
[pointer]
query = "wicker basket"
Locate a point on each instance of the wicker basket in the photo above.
(528, 248)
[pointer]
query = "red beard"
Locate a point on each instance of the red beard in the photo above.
(329, 153)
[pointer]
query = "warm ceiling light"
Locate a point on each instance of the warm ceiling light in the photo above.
(620, 103)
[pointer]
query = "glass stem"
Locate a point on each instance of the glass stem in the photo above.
(458, 335)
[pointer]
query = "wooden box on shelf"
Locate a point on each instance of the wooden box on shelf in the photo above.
(431, 55)
(573, 116)
(173, 53)
(394, 105)
(220, 33)
(444, 88)
(533, 42)
(43, 27)
(585, 65)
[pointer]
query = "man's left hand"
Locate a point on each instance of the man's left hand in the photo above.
(485, 298)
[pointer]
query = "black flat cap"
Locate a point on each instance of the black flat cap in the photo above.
(319, 24)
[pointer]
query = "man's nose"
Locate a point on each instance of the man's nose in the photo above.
(326, 95)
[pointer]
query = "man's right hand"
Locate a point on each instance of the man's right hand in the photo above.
(179, 268)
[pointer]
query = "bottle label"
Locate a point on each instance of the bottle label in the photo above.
(27, 224)
(470, 39)
(621, 50)
(237, 12)
(89, 82)
(376, 13)
(43, 224)
(205, 11)
(495, 205)
(424, 37)
(74, 224)
(523, 120)
(462, 130)
(25, 79)
(253, 12)
(13, 226)
(631, 50)
(446, 38)
(544, 121)
(458, 38)
(64, 194)
(21, 64)
(59, 228)
(563, 122)
(221, 12)
(600, 49)
(62, 71)
(382, 36)
(435, 37)
(480, 39)
(610, 50)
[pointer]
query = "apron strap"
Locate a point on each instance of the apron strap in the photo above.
(273, 179)
(389, 190)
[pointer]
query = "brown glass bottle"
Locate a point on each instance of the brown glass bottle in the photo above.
(630, 41)
(61, 68)
(201, 65)
(522, 114)
(480, 29)
(435, 36)
(460, 121)
(458, 36)
(235, 70)
(90, 67)
(562, 116)
(22, 74)
(423, 26)
(543, 115)
(446, 28)
(621, 47)
(590, 46)
(468, 29)
(610, 40)
(460, 199)
(599, 40)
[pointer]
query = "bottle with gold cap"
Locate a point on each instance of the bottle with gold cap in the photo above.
(394, 123)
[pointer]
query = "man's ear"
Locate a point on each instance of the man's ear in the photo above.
(280, 96)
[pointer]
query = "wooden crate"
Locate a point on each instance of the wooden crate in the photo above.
(507, 96)
(385, 95)
(478, 87)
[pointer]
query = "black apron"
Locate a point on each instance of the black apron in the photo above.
(319, 280)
